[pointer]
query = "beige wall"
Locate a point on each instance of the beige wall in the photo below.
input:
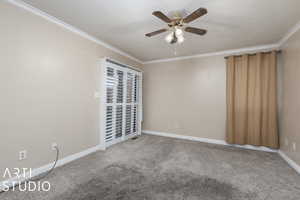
(290, 118)
(186, 97)
(47, 83)
(48, 77)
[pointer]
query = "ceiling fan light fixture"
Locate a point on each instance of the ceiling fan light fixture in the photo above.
(169, 37)
(178, 32)
(180, 39)
(172, 38)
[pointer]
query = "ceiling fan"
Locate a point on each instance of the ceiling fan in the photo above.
(177, 25)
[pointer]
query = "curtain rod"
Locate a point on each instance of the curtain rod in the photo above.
(253, 54)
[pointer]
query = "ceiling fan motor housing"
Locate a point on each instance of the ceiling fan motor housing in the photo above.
(176, 22)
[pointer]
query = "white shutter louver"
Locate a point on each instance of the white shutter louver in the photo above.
(136, 79)
(128, 120)
(135, 119)
(129, 87)
(110, 83)
(119, 121)
(120, 87)
(109, 123)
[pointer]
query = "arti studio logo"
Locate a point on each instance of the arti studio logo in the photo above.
(16, 179)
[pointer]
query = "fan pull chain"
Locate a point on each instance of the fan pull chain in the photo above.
(175, 50)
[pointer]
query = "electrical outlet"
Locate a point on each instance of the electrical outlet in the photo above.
(54, 146)
(22, 155)
(294, 146)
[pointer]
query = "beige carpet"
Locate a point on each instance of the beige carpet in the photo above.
(158, 168)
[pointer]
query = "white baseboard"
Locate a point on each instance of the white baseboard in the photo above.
(37, 171)
(206, 140)
(184, 137)
(292, 163)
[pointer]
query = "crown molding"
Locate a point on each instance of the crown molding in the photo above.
(220, 53)
(38, 12)
(289, 34)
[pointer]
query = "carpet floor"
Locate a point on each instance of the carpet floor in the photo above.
(159, 168)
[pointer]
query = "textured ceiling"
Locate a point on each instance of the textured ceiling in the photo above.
(231, 24)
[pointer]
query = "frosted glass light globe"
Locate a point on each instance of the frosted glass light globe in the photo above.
(178, 32)
(180, 39)
(169, 37)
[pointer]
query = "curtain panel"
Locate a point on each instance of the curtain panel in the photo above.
(252, 100)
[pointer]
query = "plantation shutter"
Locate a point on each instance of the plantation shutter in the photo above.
(122, 103)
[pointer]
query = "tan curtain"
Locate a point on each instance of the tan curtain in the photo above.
(252, 100)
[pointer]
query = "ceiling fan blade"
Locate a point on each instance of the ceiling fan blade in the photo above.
(156, 32)
(196, 14)
(162, 16)
(197, 31)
